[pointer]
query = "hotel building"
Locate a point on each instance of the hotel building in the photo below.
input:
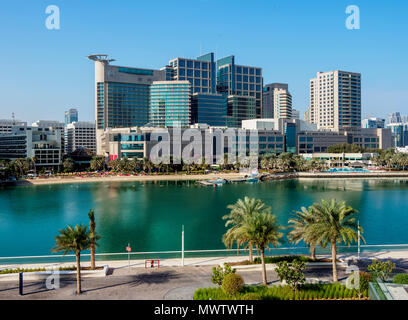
(335, 100)
(277, 101)
(121, 95)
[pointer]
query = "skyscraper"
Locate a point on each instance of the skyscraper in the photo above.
(208, 108)
(199, 72)
(373, 123)
(394, 117)
(121, 95)
(335, 100)
(240, 80)
(170, 103)
(71, 115)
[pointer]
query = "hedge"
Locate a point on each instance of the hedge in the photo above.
(305, 292)
(401, 278)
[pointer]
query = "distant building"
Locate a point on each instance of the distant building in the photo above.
(295, 114)
(397, 130)
(52, 125)
(335, 100)
(71, 115)
(373, 123)
(394, 118)
(81, 134)
(268, 96)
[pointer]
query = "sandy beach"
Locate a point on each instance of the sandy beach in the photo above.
(141, 178)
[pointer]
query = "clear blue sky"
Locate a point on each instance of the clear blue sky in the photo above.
(44, 72)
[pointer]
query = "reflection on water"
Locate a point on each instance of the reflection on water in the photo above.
(149, 215)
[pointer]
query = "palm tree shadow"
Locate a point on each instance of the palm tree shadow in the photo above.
(145, 278)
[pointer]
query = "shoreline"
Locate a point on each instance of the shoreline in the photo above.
(196, 177)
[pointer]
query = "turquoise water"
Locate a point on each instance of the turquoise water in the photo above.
(347, 170)
(149, 215)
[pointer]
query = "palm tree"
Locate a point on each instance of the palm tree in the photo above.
(262, 229)
(299, 224)
(239, 211)
(93, 236)
(76, 240)
(333, 222)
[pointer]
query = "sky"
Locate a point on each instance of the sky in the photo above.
(44, 72)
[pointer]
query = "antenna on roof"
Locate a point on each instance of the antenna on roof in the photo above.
(13, 117)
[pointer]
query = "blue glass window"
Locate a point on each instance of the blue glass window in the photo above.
(197, 73)
(245, 78)
(182, 72)
(239, 78)
(204, 74)
(205, 83)
(205, 66)
(197, 82)
(251, 71)
(251, 87)
(251, 79)
(189, 72)
(258, 72)
(239, 70)
(189, 64)
(182, 63)
(245, 70)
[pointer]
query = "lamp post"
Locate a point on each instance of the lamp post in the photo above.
(358, 239)
(182, 245)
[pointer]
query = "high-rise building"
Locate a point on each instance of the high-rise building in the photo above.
(335, 100)
(397, 130)
(373, 123)
(270, 91)
(81, 135)
(170, 104)
(199, 72)
(282, 104)
(71, 115)
(210, 109)
(121, 95)
(240, 108)
(240, 80)
(295, 114)
(394, 117)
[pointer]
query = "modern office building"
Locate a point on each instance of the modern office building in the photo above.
(277, 101)
(81, 135)
(71, 115)
(240, 80)
(397, 131)
(170, 104)
(210, 109)
(42, 144)
(335, 100)
(7, 124)
(199, 72)
(121, 94)
(395, 117)
(373, 123)
(239, 108)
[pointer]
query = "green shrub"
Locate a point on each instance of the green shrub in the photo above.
(250, 296)
(401, 278)
(219, 273)
(364, 280)
(277, 259)
(381, 269)
(232, 284)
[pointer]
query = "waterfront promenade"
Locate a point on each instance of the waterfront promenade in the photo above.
(170, 281)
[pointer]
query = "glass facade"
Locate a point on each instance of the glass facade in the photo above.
(240, 108)
(238, 80)
(209, 108)
(290, 135)
(127, 104)
(170, 104)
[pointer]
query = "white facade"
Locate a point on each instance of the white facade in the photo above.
(81, 134)
(282, 104)
(7, 124)
(335, 100)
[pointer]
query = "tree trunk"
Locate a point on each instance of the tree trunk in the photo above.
(265, 282)
(313, 251)
(78, 263)
(251, 255)
(93, 256)
(334, 259)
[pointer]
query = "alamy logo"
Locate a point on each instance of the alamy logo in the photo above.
(52, 22)
(53, 280)
(353, 20)
(353, 281)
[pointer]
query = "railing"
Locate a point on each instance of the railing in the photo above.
(195, 254)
